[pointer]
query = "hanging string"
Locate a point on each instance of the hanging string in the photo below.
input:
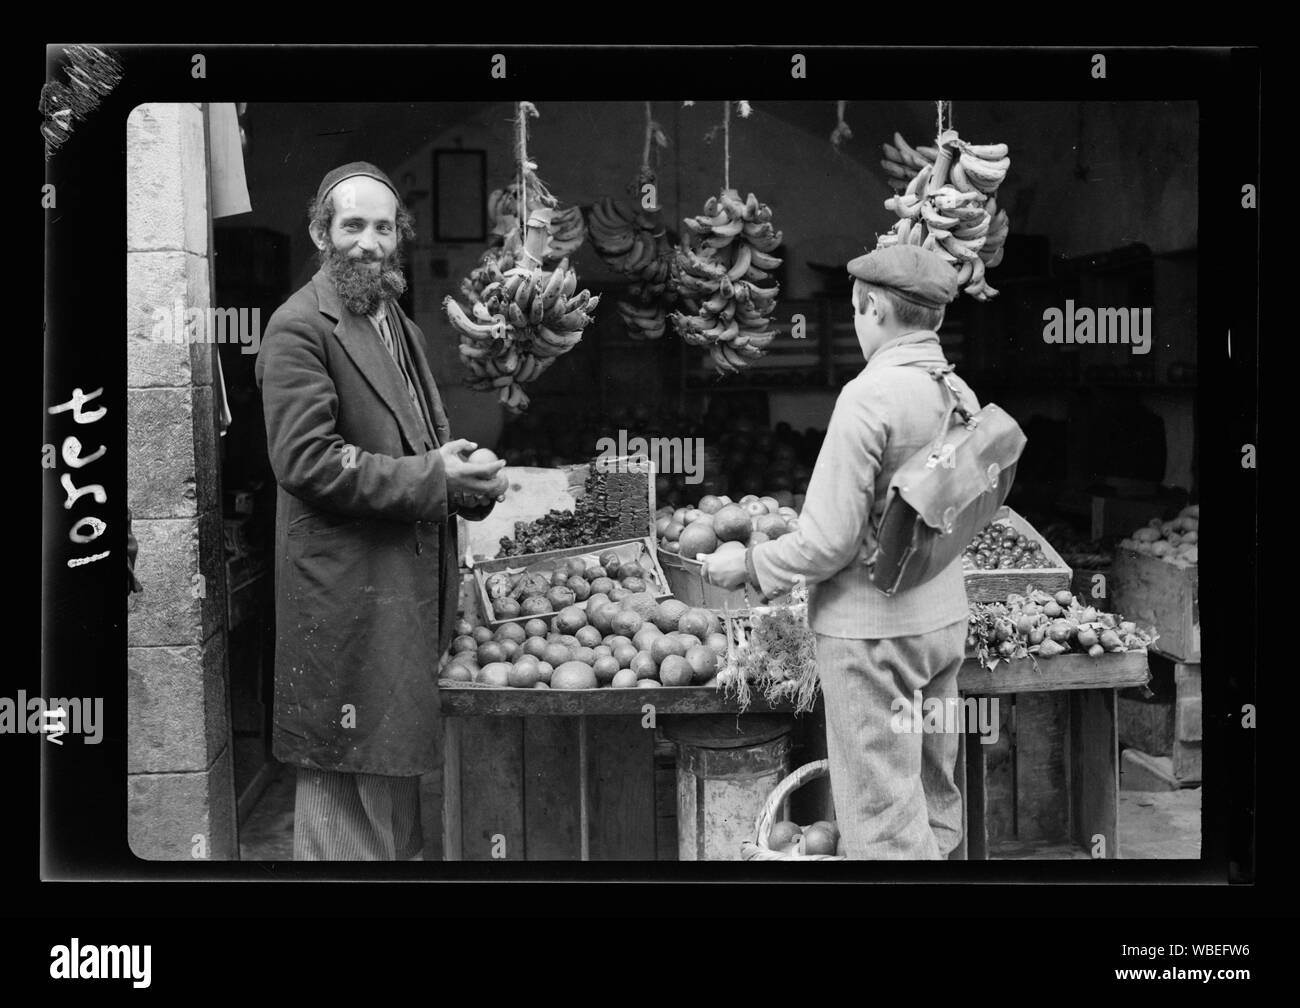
(938, 120)
(726, 145)
(649, 135)
(841, 133)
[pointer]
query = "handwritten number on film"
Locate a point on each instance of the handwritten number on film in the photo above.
(87, 528)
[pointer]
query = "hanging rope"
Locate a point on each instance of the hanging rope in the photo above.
(649, 135)
(726, 145)
(841, 132)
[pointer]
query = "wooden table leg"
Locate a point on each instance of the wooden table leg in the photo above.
(959, 852)
(584, 809)
(1094, 771)
(976, 839)
(451, 826)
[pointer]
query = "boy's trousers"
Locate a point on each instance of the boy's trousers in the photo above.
(894, 792)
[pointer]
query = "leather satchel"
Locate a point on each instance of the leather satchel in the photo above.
(945, 493)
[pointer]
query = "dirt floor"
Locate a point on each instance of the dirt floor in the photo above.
(1152, 824)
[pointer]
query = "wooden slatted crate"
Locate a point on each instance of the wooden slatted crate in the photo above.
(996, 585)
(1158, 595)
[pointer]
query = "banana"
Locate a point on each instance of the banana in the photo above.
(515, 317)
(990, 291)
(574, 321)
(917, 186)
(763, 297)
(570, 284)
(931, 154)
(730, 229)
(995, 258)
(639, 311)
(904, 231)
(918, 234)
(987, 152)
(944, 254)
(527, 369)
(949, 198)
(722, 332)
(960, 251)
(731, 356)
(715, 304)
(751, 208)
(715, 351)
(977, 271)
(554, 284)
(957, 174)
(975, 288)
(991, 207)
(511, 286)
(744, 255)
(620, 211)
(767, 244)
(510, 362)
(477, 330)
(729, 200)
(910, 156)
(984, 175)
(935, 219)
(894, 170)
(614, 243)
(481, 313)
(536, 311)
(971, 213)
(472, 352)
(886, 240)
(964, 272)
(974, 229)
(892, 153)
(711, 205)
(764, 261)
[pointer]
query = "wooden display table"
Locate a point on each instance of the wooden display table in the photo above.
(569, 775)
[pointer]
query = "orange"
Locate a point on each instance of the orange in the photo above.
(573, 675)
(668, 644)
(490, 652)
(623, 679)
(703, 662)
(699, 622)
(524, 675)
(625, 623)
(732, 523)
(605, 669)
(670, 611)
(696, 539)
(644, 666)
(494, 674)
(555, 653)
(674, 671)
(588, 636)
(570, 620)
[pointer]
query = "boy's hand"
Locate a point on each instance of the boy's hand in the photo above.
(726, 570)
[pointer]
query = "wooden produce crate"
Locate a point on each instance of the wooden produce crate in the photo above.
(996, 585)
(686, 581)
(640, 551)
(1156, 594)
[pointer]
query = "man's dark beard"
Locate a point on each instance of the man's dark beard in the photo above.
(359, 288)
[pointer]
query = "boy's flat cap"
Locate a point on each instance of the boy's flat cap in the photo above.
(915, 274)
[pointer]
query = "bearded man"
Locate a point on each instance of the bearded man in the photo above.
(367, 577)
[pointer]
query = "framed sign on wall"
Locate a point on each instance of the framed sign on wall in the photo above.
(459, 195)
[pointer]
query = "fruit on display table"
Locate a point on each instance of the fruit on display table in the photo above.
(717, 521)
(999, 546)
(1175, 542)
(717, 274)
(551, 585)
(634, 642)
(822, 837)
(1044, 625)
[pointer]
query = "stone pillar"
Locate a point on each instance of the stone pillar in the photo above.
(180, 774)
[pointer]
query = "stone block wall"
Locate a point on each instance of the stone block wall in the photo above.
(180, 780)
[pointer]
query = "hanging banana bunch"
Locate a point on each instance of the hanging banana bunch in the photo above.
(632, 239)
(947, 202)
(717, 275)
(521, 316)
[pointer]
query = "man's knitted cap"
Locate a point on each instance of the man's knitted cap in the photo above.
(352, 170)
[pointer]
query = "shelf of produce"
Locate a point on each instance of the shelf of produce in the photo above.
(570, 775)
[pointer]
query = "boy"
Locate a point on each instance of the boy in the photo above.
(894, 793)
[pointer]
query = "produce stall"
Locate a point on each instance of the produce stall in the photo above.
(591, 635)
(561, 692)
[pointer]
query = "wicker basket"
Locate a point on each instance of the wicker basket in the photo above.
(758, 850)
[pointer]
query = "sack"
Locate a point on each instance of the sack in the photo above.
(945, 493)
